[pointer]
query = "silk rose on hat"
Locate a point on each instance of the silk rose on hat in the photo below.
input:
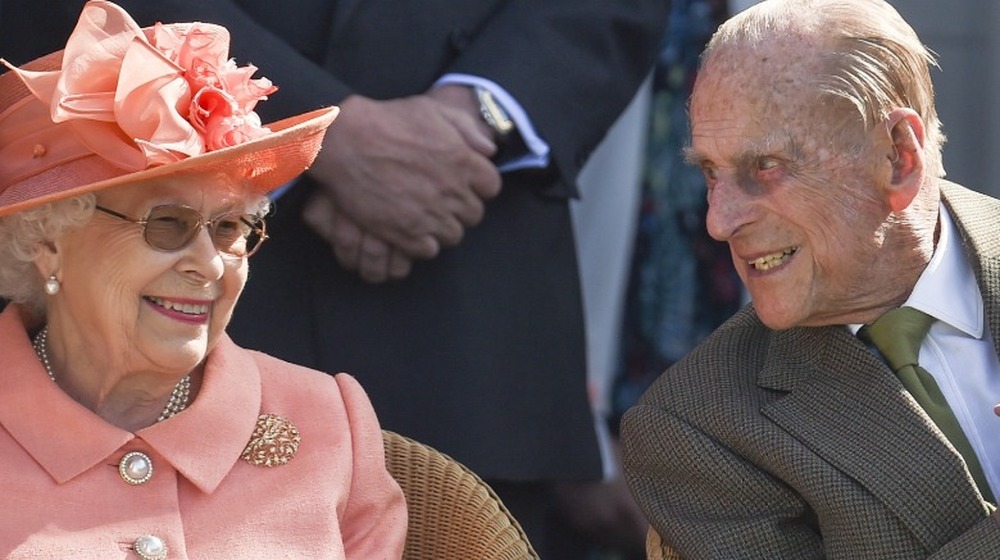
(225, 94)
(140, 101)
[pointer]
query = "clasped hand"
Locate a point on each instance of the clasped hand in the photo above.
(401, 179)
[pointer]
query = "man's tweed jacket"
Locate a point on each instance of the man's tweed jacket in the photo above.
(802, 444)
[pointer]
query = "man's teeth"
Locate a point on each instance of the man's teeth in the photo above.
(186, 308)
(767, 262)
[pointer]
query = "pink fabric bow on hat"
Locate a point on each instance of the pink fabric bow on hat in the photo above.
(139, 101)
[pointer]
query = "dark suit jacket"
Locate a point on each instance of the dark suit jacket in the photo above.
(480, 352)
(802, 443)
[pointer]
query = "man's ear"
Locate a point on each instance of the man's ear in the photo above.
(906, 157)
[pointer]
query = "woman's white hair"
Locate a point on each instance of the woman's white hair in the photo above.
(22, 237)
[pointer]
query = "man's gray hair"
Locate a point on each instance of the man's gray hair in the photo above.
(872, 58)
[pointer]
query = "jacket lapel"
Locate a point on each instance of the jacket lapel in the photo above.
(839, 392)
(977, 217)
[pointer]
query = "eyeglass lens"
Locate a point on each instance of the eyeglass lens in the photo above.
(172, 226)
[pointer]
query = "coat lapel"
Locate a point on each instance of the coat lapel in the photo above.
(847, 407)
(977, 217)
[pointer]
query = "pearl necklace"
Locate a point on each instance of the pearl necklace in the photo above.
(179, 397)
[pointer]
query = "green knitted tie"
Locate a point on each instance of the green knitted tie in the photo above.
(897, 335)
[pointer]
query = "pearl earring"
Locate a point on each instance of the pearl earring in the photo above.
(52, 285)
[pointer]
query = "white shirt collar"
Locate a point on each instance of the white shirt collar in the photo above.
(947, 288)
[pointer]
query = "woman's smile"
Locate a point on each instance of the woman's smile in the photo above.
(186, 310)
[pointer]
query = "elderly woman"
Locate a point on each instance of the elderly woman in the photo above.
(133, 182)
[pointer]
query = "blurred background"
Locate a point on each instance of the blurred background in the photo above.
(964, 35)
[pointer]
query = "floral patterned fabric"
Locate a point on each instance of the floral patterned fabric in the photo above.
(682, 284)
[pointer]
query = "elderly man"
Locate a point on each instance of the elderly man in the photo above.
(796, 431)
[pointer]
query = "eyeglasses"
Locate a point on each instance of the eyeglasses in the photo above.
(171, 227)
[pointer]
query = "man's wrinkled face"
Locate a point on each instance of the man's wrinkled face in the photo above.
(801, 212)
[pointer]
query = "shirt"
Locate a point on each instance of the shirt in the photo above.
(958, 351)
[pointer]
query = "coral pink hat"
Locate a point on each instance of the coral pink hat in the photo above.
(121, 104)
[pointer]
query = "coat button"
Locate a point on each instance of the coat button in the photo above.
(135, 468)
(150, 547)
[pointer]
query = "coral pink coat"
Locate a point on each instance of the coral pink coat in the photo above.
(62, 495)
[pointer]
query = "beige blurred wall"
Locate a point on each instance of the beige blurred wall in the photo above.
(964, 34)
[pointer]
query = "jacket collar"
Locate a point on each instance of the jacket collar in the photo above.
(846, 405)
(977, 216)
(203, 442)
(208, 437)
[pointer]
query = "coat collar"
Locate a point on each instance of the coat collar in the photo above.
(63, 437)
(839, 392)
(977, 216)
(848, 407)
(203, 442)
(208, 437)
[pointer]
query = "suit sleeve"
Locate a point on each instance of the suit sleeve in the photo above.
(706, 502)
(572, 64)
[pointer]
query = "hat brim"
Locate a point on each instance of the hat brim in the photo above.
(262, 165)
(39, 169)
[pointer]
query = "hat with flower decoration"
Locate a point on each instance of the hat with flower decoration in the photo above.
(122, 104)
